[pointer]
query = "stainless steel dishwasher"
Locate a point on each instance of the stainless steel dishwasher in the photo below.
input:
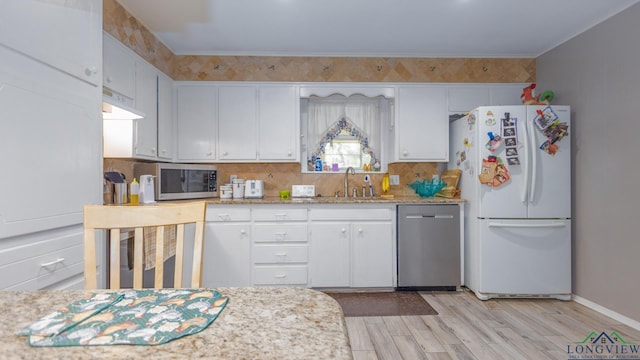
(428, 247)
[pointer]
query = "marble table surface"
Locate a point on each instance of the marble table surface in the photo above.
(258, 323)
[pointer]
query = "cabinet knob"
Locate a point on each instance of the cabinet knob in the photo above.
(405, 153)
(360, 230)
(109, 79)
(225, 153)
(209, 153)
(90, 70)
(153, 150)
(343, 230)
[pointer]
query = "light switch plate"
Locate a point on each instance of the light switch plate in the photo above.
(394, 179)
(303, 191)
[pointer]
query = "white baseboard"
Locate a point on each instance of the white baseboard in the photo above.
(610, 313)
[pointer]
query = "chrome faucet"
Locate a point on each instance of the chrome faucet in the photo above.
(346, 180)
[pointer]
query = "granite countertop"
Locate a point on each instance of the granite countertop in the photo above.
(339, 200)
(257, 323)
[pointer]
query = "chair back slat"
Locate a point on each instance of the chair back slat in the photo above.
(115, 219)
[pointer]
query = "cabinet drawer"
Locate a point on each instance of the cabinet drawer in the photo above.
(228, 213)
(351, 213)
(39, 264)
(280, 275)
(279, 254)
(280, 214)
(279, 233)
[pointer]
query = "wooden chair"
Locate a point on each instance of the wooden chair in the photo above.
(115, 218)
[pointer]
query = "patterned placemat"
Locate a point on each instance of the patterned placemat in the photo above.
(133, 317)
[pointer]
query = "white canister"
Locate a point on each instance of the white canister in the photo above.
(238, 188)
(226, 192)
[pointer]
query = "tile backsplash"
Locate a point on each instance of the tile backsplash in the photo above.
(280, 176)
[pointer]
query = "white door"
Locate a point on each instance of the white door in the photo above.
(525, 257)
(226, 255)
(237, 119)
(197, 122)
(146, 100)
(329, 255)
(550, 184)
(372, 260)
(278, 123)
(509, 199)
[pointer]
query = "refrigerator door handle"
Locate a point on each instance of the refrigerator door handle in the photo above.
(524, 225)
(525, 181)
(535, 161)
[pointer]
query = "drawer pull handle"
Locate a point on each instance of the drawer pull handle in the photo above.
(281, 253)
(224, 217)
(51, 263)
(280, 276)
(281, 236)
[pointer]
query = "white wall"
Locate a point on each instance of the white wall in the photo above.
(598, 74)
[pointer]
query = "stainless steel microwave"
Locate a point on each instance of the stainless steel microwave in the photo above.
(180, 181)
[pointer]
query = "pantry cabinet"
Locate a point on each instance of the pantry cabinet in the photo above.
(197, 121)
(421, 125)
(51, 101)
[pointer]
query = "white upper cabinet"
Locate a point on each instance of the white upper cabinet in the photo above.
(278, 123)
(237, 119)
(71, 45)
(506, 94)
(146, 100)
(119, 68)
(421, 125)
(166, 118)
(197, 122)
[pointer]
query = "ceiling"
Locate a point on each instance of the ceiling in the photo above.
(370, 28)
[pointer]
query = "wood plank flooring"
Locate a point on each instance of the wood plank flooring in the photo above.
(468, 328)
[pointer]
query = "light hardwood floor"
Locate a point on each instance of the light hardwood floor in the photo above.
(468, 328)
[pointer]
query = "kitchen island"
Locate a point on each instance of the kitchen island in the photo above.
(257, 323)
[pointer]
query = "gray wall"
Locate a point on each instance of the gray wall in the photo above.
(598, 74)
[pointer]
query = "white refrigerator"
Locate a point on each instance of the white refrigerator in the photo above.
(516, 178)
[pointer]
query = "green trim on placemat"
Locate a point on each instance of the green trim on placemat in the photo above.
(131, 317)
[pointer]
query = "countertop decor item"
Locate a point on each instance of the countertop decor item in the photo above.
(427, 188)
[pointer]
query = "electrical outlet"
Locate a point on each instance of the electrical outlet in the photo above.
(232, 177)
(394, 179)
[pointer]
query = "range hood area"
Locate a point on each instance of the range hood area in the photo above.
(118, 107)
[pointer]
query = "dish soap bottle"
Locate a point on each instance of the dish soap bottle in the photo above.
(134, 198)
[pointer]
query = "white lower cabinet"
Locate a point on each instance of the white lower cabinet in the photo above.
(320, 246)
(329, 255)
(352, 246)
(280, 251)
(227, 247)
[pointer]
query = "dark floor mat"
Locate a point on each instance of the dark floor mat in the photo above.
(388, 303)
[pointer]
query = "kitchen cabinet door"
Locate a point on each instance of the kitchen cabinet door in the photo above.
(422, 126)
(226, 255)
(119, 67)
(329, 255)
(51, 126)
(63, 34)
(506, 94)
(278, 123)
(237, 119)
(146, 100)
(166, 118)
(197, 122)
(372, 259)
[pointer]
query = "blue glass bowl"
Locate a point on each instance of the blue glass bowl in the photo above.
(427, 188)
